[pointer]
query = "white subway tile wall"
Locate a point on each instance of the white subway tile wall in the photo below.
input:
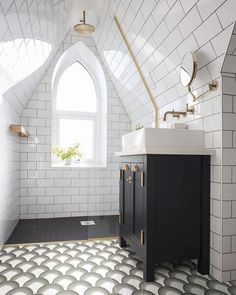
(30, 33)
(9, 171)
(61, 192)
(229, 156)
(180, 26)
(160, 33)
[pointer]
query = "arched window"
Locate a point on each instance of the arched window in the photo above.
(79, 106)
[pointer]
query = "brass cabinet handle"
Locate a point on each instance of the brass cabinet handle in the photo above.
(142, 237)
(129, 179)
(126, 167)
(142, 178)
(135, 168)
(121, 174)
(120, 217)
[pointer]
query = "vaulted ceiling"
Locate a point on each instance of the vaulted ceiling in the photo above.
(160, 32)
(31, 31)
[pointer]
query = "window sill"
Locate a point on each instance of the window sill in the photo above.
(78, 165)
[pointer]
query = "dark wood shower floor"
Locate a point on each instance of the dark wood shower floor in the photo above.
(63, 229)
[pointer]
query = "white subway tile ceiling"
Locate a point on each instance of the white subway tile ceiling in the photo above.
(172, 39)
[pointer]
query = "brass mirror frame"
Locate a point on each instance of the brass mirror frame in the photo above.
(213, 86)
(194, 70)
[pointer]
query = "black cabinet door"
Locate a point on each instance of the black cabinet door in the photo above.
(178, 205)
(126, 211)
(138, 204)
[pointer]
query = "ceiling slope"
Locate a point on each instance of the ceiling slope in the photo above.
(160, 33)
(30, 33)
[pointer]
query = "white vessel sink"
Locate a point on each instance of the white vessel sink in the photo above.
(163, 138)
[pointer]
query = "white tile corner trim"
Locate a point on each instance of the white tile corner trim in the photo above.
(228, 159)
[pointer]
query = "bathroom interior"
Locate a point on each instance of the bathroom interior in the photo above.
(118, 147)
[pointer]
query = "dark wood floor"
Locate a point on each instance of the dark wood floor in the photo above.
(63, 229)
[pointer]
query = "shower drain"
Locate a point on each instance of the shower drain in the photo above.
(88, 222)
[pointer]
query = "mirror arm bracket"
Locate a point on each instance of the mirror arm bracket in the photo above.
(191, 92)
(213, 86)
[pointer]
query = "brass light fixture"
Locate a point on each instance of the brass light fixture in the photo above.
(18, 130)
(83, 28)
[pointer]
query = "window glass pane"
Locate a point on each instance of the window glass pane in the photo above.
(76, 90)
(81, 131)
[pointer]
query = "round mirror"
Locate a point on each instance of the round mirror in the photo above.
(188, 69)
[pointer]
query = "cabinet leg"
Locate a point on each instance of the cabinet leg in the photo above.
(148, 271)
(122, 243)
(203, 261)
(203, 265)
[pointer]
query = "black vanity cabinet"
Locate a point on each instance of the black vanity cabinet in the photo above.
(165, 208)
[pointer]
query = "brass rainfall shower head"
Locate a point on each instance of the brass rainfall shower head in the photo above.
(83, 28)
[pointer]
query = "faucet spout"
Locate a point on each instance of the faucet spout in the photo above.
(174, 114)
(166, 114)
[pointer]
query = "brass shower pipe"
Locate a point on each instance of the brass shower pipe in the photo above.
(152, 98)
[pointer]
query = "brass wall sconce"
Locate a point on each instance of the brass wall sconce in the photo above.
(177, 115)
(188, 72)
(18, 130)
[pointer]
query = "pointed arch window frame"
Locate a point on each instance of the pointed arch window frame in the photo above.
(82, 54)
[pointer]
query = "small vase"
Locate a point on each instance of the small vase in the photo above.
(67, 162)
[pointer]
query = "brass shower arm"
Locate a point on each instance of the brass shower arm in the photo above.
(139, 70)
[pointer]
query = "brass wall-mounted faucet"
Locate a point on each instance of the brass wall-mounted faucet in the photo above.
(138, 126)
(174, 114)
(179, 114)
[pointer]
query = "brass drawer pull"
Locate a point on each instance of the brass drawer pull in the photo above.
(120, 217)
(121, 174)
(135, 168)
(129, 179)
(142, 237)
(142, 178)
(126, 167)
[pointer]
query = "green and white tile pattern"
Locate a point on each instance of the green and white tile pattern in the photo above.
(95, 268)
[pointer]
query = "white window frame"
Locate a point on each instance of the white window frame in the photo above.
(79, 116)
(89, 61)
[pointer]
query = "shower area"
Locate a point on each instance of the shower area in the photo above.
(69, 188)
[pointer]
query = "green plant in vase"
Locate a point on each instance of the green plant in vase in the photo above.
(67, 154)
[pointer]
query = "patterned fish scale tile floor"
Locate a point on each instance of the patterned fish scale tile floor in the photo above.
(95, 268)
